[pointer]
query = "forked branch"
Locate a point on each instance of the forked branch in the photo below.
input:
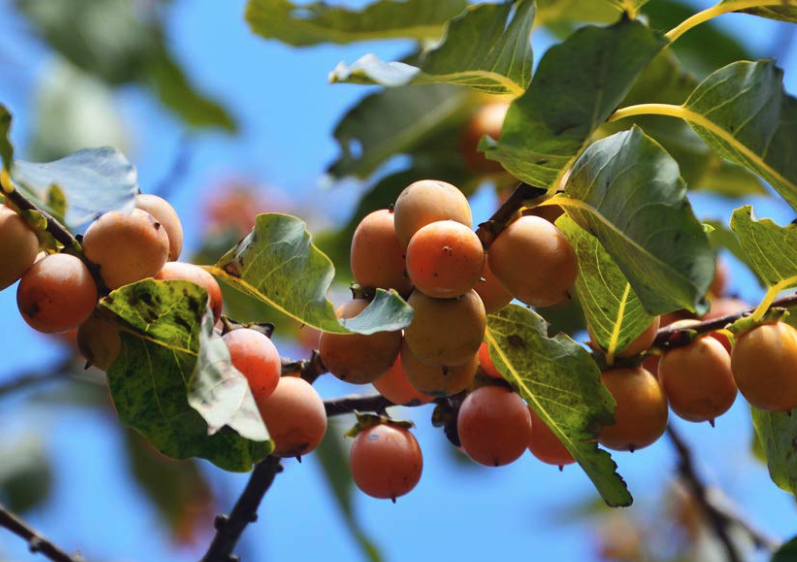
(36, 542)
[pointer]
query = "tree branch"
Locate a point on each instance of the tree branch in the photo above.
(491, 228)
(38, 377)
(349, 404)
(719, 517)
(36, 542)
(59, 231)
(229, 529)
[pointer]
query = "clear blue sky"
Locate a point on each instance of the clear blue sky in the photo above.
(287, 111)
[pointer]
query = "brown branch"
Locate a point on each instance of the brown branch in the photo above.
(349, 404)
(36, 378)
(719, 517)
(59, 231)
(308, 369)
(523, 193)
(229, 529)
(36, 542)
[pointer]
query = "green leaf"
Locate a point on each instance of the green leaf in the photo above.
(744, 114)
(787, 552)
(558, 12)
(173, 380)
(396, 121)
(6, 148)
(332, 455)
(626, 191)
(559, 380)
(93, 180)
(614, 313)
(771, 250)
(278, 264)
(310, 24)
(26, 476)
(723, 237)
(627, 5)
(578, 84)
(782, 12)
(778, 433)
(487, 48)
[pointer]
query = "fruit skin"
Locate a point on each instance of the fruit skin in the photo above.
(356, 358)
(494, 426)
(641, 412)
(643, 341)
(98, 342)
(294, 416)
(377, 258)
(486, 362)
(545, 445)
(425, 202)
(445, 259)
(257, 358)
(165, 214)
(437, 381)
(487, 120)
(127, 248)
(56, 294)
(698, 380)
(492, 293)
(394, 386)
(722, 307)
(195, 274)
(446, 332)
(386, 461)
(534, 261)
(18, 249)
(763, 363)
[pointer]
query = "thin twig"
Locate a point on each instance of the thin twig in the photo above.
(35, 378)
(229, 529)
(59, 231)
(348, 404)
(36, 542)
(719, 517)
(523, 193)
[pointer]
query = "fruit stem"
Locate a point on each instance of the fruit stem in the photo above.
(491, 228)
(774, 291)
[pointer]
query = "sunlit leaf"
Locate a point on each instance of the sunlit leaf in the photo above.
(771, 249)
(559, 379)
(786, 10)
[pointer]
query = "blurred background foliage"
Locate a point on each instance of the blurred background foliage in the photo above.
(226, 126)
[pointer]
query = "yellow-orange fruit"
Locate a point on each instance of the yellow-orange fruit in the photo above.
(723, 307)
(195, 274)
(18, 247)
(545, 445)
(494, 426)
(256, 357)
(295, 417)
(446, 332)
(377, 258)
(534, 261)
(486, 362)
(356, 358)
(56, 294)
(437, 381)
(487, 120)
(386, 461)
(641, 413)
(698, 380)
(425, 202)
(493, 294)
(165, 214)
(127, 248)
(643, 341)
(394, 386)
(764, 363)
(445, 259)
(98, 342)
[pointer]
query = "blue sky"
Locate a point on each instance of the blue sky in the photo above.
(287, 111)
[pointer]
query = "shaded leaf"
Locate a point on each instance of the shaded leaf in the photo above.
(278, 264)
(26, 477)
(612, 309)
(778, 434)
(744, 114)
(771, 250)
(561, 382)
(170, 353)
(6, 148)
(487, 48)
(626, 191)
(787, 552)
(309, 24)
(578, 84)
(557, 12)
(785, 12)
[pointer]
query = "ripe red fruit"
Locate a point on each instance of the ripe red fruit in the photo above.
(763, 363)
(257, 358)
(641, 413)
(545, 445)
(386, 461)
(165, 214)
(295, 417)
(425, 202)
(18, 248)
(698, 380)
(394, 386)
(494, 426)
(56, 294)
(377, 258)
(445, 259)
(534, 261)
(195, 274)
(486, 362)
